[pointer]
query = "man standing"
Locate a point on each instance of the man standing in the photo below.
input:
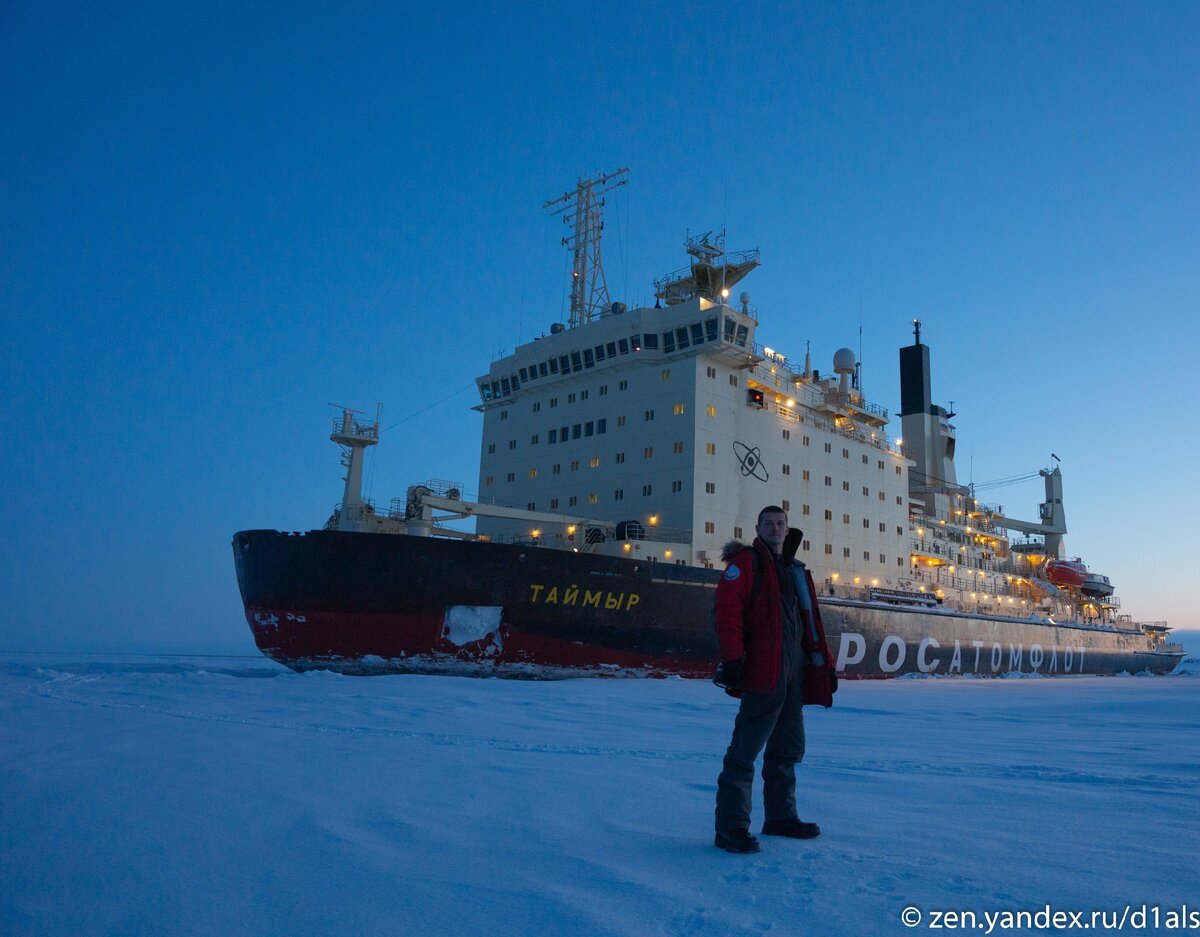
(775, 658)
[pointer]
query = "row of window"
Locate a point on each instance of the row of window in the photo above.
(572, 362)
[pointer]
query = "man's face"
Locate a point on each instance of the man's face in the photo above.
(773, 529)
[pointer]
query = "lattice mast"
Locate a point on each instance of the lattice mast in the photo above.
(582, 209)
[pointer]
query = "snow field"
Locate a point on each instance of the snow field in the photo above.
(230, 796)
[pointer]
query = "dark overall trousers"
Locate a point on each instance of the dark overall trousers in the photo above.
(774, 719)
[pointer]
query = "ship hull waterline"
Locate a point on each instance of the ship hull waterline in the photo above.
(365, 603)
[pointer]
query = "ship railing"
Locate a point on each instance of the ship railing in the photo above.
(939, 578)
(364, 509)
(958, 518)
(857, 402)
(794, 415)
(791, 382)
(955, 556)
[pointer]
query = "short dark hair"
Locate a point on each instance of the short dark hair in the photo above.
(770, 509)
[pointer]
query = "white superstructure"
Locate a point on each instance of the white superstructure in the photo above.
(676, 425)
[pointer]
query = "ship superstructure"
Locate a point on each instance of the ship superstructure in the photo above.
(676, 425)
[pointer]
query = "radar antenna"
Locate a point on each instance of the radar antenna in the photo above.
(581, 208)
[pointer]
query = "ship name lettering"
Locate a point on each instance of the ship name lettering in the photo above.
(1068, 658)
(851, 650)
(633, 600)
(610, 602)
(537, 590)
(552, 596)
(592, 598)
(997, 656)
(1052, 667)
(570, 594)
(978, 645)
(956, 660)
(1080, 658)
(1014, 656)
(922, 664)
(1036, 656)
(891, 666)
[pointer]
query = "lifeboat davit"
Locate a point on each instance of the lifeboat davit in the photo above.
(1066, 573)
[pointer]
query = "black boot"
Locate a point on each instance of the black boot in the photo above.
(793, 827)
(737, 841)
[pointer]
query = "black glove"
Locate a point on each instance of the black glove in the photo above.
(833, 681)
(729, 674)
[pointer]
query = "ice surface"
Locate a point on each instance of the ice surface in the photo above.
(231, 796)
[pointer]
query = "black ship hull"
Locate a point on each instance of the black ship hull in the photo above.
(382, 603)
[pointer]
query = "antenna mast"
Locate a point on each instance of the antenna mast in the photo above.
(581, 208)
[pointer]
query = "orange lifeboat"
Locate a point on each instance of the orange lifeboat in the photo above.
(1066, 573)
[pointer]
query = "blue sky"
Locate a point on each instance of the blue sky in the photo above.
(219, 218)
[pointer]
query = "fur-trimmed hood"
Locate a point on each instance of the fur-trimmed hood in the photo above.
(732, 547)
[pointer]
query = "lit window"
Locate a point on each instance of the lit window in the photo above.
(595, 462)
(711, 410)
(678, 409)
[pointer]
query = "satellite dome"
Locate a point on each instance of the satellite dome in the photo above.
(745, 297)
(843, 361)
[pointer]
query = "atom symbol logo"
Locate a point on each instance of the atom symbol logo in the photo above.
(751, 460)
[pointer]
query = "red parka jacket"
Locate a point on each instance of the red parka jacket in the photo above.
(754, 632)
